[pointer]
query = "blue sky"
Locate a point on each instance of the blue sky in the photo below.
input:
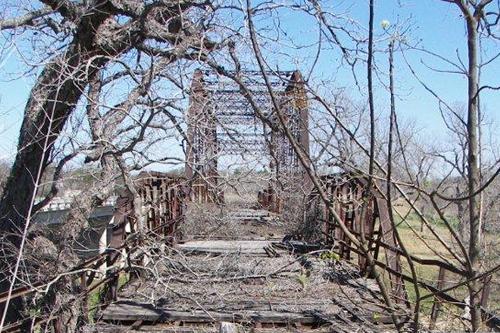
(434, 24)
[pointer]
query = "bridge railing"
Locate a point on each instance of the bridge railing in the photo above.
(162, 200)
(345, 192)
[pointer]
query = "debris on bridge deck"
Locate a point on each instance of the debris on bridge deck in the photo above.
(193, 291)
(255, 247)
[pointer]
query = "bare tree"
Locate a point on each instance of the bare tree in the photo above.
(111, 93)
(94, 35)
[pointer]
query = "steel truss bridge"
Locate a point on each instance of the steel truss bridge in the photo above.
(229, 116)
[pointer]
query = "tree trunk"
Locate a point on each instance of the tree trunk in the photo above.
(98, 38)
(52, 100)
(473, 174)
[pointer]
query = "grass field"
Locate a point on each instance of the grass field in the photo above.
(424, 244)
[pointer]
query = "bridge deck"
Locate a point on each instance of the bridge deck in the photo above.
(202, 283)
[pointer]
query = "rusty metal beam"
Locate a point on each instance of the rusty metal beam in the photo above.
(221, 120)
(346, 195)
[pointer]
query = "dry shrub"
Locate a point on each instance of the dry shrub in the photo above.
(207, 221)
(301, 214)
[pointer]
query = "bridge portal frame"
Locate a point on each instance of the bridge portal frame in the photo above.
(210, 106)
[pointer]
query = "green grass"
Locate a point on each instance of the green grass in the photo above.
(426, 248)
(123, 279)
(94, 298)
(424, 244)
(93, 302)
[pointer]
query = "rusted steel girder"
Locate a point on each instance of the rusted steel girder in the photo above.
(217, 116)
(202, 147)
(162, 199)
(361, 217)
(284, 159)
(161, 202)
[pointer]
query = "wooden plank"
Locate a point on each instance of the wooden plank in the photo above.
(257, 305)
(131, 311)
(217, 246)
(151, 329)
(200, 329)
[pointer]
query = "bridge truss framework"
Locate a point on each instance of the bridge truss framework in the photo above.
(227, 117)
